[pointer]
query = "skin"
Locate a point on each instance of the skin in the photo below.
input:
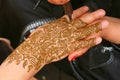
(8, 71)
(9, 45)
(111, 33)
(58, 2)
(91, 19)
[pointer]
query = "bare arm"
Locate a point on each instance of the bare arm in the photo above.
(49, 43)
(112, 32)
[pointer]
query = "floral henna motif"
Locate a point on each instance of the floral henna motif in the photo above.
(52, 42)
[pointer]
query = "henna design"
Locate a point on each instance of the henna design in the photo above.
(52, 42)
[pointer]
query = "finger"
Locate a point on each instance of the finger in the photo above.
(90, 17)
(58, 2)
(83, 46)
(93, 36)
(79, 12)
(84, 32)
(7, 42)
(104, 24)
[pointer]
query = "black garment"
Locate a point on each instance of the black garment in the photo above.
(16, 14)
(5, 50)
(99, 63)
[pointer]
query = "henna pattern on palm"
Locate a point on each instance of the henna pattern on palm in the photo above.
(52, 42)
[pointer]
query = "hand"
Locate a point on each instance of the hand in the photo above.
(52, 42)
(88, 18)
(110, 33)
(58, 2)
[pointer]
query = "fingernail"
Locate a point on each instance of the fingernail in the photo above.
(104, 24)
(72, 58)
(86, 8)
(98, 40)
(101, 12)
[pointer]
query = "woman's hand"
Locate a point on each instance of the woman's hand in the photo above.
(47, 44)
(89, 18)
(110, 33)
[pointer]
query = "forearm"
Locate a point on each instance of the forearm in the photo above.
(18, 67)
(3, 69)
(48, 43)
(14, 72)
(112, 32)
(24, 62)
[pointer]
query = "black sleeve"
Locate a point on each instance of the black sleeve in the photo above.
(5, 50)
(16, 14)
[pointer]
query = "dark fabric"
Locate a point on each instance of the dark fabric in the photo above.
(0, 2)
(99, 63)
(5, 50)
(115, 9)
(16, 14)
